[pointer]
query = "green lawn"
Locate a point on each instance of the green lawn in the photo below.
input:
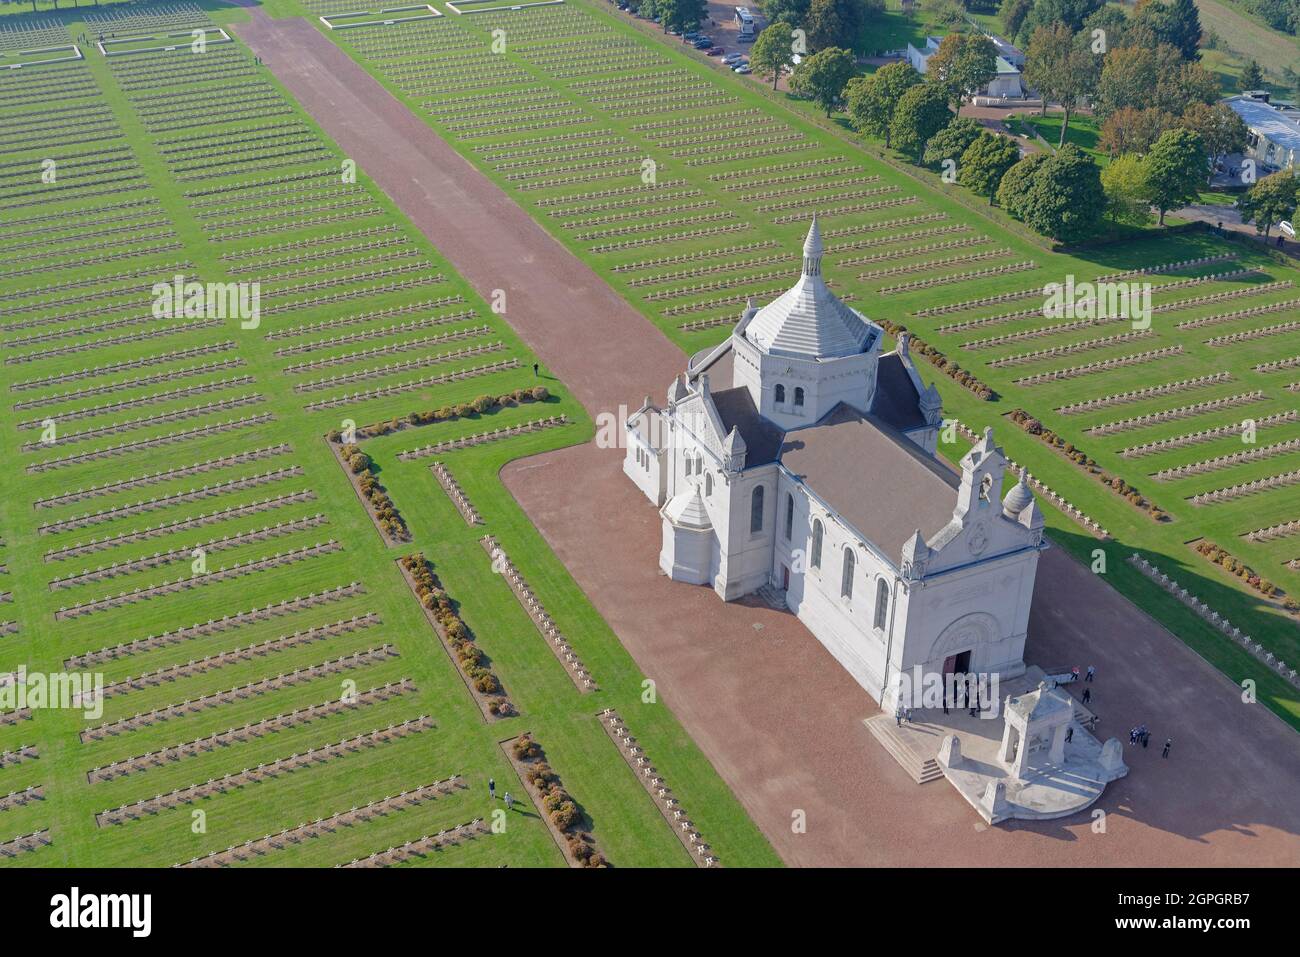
(201, 163)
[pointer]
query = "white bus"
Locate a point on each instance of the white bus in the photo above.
(744, 24)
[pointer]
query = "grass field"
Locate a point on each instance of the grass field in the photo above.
(133, 440)
(737, 176)
(176, 435)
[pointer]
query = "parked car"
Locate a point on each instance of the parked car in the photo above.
(742, 69)
(703, 43)
(691, 36)
(713, 51)
(731, 59)
(1286, 228)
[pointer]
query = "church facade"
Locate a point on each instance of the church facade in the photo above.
(796, 457)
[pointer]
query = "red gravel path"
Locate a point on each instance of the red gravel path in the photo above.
(779, 719)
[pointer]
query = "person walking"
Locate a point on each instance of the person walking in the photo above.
(535, 372)
(1091, 672)
(898, 715)
(510, 802)
(1169, 743)
(1133, 735)
(492, 789)
(1087, 695)
(1069, 734)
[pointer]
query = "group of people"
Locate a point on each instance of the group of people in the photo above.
(492, 793)
(1140, 735)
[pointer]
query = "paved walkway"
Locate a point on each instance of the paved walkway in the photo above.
(779, 719)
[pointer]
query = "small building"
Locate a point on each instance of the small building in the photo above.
(1274, 140)
(1009, 82)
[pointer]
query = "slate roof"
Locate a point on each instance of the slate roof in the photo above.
(896, 401)
(876, 478)
(762, 437)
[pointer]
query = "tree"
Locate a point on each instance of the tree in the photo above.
(951, 141)
(838, 23)
(1012, 14)
(1112, 22)
(1061, 69)
(1128, 195)
(873, 99)
(1072, 13)
(1064, 198)
(773, 51)
(1129, 130)
(964, 63)
(1270, 201)
(681, 14)
(1178, 88)
(985, 162)
(1176, 23)
(823, 76)
(1014, 188)
(921, 112)
(942, 14)
(792, 12)
(1175, 170)
(1252, 77)
(1220, 128)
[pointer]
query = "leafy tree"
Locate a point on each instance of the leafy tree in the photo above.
(1128, 194)
(1061, 69)
(773, 51)
(1175, 170)
(1113, 23)
(823, 76)
(1176, 89)
(681, 14)
(792, 12)
(1220, 128)
(964, 63)
(951, 141)
(1252, 77)
(921, 112)
(1072, 13)
(1065, 199)
(838, 23)
(1014, 188)
(985, 162)
(1270, 201)
(1012, 14)
(1176, 23)
(942, 14)
(873, 99)
(1130, 130)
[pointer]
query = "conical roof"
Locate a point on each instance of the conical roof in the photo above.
(687, 509)
(808, 321)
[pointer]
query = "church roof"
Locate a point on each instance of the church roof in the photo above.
(762, 437)
(687, 509)
(896, 400)
(808, 321)
(877, 479)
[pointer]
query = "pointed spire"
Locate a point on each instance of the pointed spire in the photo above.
(734, 442)
(812, 250)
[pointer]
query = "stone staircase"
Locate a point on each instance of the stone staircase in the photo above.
(770, 595)
(884, 729)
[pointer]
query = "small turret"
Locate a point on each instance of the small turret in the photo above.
(1019, 498)
(733, 451)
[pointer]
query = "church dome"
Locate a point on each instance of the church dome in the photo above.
(808, 321)
(1019, 498)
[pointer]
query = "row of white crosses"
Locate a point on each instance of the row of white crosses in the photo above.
(479, 438)
(540, 616)
(672, 809)
(328, 825)
(1214, 618)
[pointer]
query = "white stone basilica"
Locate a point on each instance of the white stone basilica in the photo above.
(813, 473)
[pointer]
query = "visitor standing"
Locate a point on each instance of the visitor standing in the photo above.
(1092, 671)
(1087, 695)
(492, 789)
(510, 802)
(1169, 743)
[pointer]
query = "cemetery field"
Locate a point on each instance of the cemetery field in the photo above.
(689, 191)
(176, 520)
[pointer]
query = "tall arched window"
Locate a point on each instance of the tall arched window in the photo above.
(780, 394)
(708, 483)
(817, 544)
(846, 582)
(798, 395)
(789, 516)
(882, 604)
(756, 510)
